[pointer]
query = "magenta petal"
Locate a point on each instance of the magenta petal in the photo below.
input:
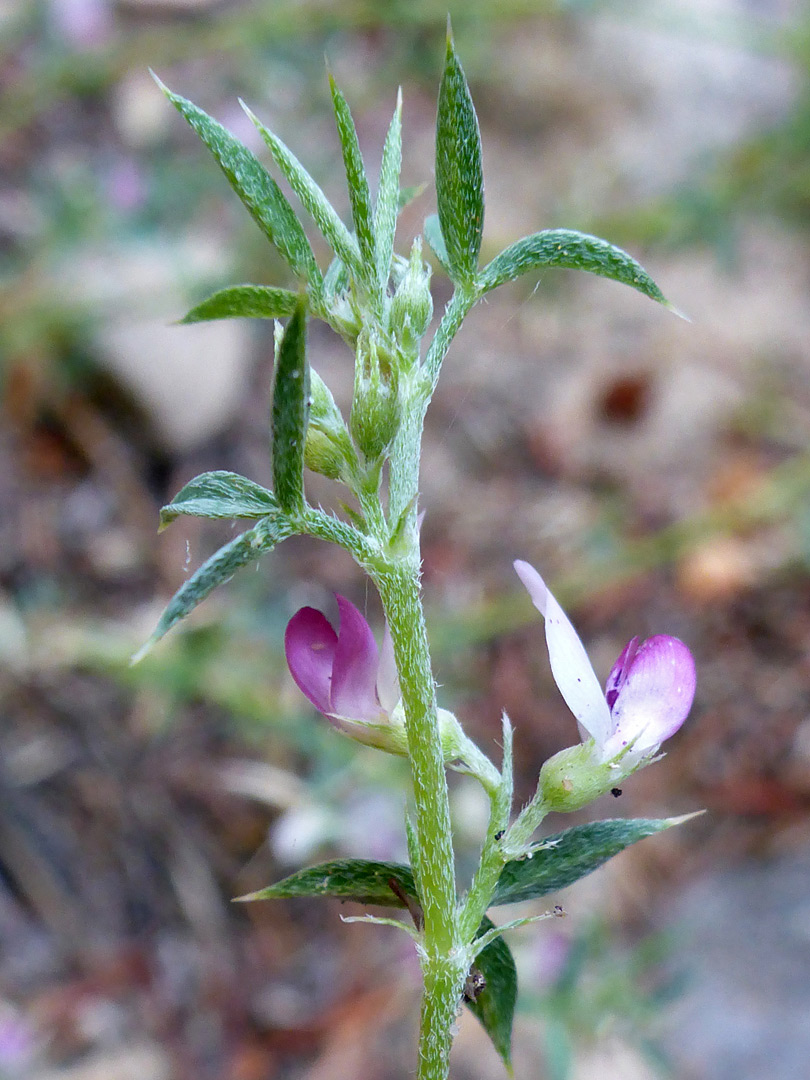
(618, 673)
(655, 696)
(354, 672)
(310, 644)
(570, 665)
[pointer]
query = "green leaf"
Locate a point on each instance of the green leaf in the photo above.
(244, 302)
(561, 859)
(573, 251)
(219, 495)
(290, 413)
(459, 174)
(255, 187)
(495, 1005)
(361, 880)
(318, 206)
(359, 194)
(433, 234)
(388, 195)
(219, 568)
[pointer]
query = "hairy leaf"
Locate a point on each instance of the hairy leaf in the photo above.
(244, 302)
(388, 194)
(495, 1004)
(255, 187)
(459, 174)
(290, 413)
(218, 569)
(362, 880)
(359, 194)
(561, 859)
(219, 494)
(320, 209)
(571, 250)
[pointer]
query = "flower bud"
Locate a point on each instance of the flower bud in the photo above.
(412, 304)
(328, 448)
(376, 407)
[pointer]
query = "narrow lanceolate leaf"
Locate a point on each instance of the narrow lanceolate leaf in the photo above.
(290, 413)
(219, 568)
(573, 251)
(387, 208)
(318, 206)
(255, 187)
(219, 495)
(433, 234)
(244, 302)
(459, 175)
(362, 880)
(560, 860)
(495, 1004)
(359, 194)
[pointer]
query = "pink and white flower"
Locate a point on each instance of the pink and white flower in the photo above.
(648, 694)
(346, 677)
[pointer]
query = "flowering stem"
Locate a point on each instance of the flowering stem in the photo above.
(398, 585)
(442, 965)
(528, 821)
(493, 860)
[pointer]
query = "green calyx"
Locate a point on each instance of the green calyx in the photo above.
(412, 304)
(575, 777)
(376, 407)
(328, 449)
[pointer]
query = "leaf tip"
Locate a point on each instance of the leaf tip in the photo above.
(676, 311)
(143, 651)
(683, 818)
(161, 85)
(247, 897)
(249, 113)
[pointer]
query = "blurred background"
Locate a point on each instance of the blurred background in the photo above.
(657, 471)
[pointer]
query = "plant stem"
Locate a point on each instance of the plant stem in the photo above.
(443, 965)
(398, 585)
(444, 981)
(492, 862)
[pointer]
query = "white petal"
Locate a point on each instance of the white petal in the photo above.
(570, 665)
(388, 690)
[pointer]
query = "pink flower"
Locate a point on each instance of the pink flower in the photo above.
(648, 693)
(346, 677)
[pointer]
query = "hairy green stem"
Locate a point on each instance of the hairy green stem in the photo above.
(493, 860)
(460, 303)
(398, 585)
(444, 983)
